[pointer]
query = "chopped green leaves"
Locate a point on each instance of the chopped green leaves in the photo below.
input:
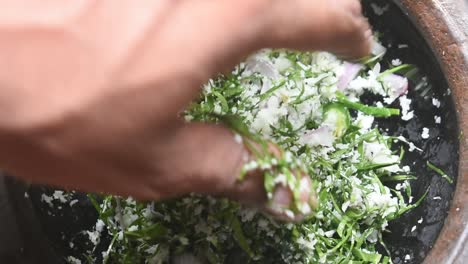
(370, 110)
(239, 234)
(440, 172)
(268, 93)
(348, 173)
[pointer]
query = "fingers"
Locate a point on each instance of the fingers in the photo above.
(208, 159)
(283, 199)
(336, 26)
(197, 158)
(282, 204)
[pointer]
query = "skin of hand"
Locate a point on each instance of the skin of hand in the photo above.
(92, 91)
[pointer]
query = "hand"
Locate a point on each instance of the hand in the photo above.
(91, 96)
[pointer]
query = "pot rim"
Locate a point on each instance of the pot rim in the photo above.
(444, 25)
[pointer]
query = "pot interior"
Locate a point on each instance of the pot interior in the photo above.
(64, 226)
(442, 148)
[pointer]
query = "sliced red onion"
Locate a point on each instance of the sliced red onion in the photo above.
(322, 136)
(396, 83)
(262, 66)
(351, 70)
(267, 84)
(377, 49)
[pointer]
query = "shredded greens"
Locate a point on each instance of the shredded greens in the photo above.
(440, 172)
(291, 99)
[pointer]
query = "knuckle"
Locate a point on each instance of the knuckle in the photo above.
(355, 6)
(349, 29)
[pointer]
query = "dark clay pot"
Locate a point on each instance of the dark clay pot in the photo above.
(437, 32)
(444, 25)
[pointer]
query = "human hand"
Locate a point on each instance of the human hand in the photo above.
(92, 99)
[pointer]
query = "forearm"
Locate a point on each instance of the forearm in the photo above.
(64, 46)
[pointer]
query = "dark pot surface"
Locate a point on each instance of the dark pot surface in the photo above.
(444, 25)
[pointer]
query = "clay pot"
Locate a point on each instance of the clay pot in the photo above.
(444, 27)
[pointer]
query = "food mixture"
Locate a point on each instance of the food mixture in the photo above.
(310, 104)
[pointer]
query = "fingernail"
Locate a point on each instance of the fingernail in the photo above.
(280, 203)
(282, 197)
